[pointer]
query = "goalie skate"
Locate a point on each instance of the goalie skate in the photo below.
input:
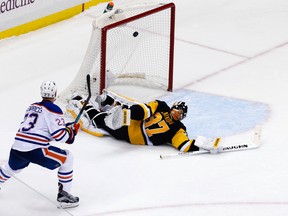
(100, 101)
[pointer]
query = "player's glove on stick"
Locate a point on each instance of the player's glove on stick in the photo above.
(72, 129)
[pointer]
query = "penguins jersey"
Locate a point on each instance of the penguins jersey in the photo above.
(158, 127)
(43, 122)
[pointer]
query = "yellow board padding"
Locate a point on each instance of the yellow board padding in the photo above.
(48, 20)
(92, 3)
(94, 133)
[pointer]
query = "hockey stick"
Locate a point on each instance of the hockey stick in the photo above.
(236, 147)
(86, 101)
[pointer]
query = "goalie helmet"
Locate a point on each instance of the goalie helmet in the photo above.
(179, 110)
(48, 89)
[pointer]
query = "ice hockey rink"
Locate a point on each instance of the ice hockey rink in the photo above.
(230, 66)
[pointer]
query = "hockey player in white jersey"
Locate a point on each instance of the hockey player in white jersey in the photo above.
(43, 122)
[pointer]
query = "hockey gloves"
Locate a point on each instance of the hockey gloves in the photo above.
(213, 145)
(72, 129)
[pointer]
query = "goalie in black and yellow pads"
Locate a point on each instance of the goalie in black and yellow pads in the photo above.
(154, 123)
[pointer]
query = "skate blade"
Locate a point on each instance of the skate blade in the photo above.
(63, 205)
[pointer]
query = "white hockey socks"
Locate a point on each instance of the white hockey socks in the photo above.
(6, 173)
(213, 145)
(65, 172)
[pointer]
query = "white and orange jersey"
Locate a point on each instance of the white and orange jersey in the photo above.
(43, 122)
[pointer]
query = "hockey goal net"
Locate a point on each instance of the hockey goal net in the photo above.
(129, 45)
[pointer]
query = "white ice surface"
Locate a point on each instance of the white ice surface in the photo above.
(236, 49)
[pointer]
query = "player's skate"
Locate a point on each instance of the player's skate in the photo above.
(66, 200)
(209, 144)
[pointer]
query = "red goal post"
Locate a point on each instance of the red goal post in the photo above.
(129, 45)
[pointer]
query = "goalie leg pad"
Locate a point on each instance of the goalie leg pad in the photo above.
(213, 145)
(117, 117)
(76, 104)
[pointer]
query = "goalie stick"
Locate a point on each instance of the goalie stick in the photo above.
(86, 101)
(235, 147)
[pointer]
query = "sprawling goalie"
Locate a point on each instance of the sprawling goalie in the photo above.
(154, 123)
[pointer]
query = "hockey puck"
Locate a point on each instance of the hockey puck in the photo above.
(135, 34)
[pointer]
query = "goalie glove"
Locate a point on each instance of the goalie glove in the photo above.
(72, 129)
(214, 146)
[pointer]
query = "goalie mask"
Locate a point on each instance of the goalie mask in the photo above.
(48, 89)
(179, 110)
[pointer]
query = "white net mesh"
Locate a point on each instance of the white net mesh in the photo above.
(137, 51)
